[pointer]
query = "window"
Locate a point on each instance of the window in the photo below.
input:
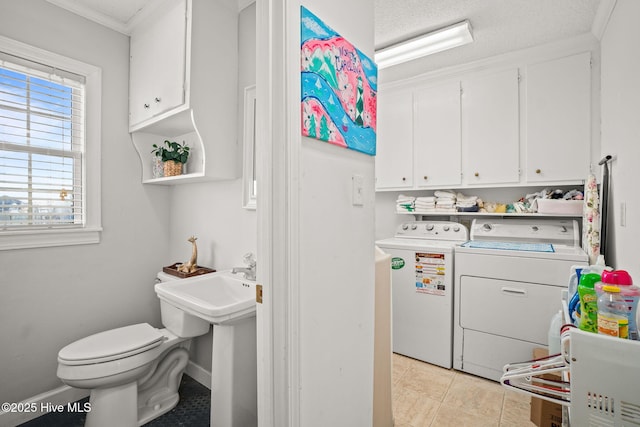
(49, 176)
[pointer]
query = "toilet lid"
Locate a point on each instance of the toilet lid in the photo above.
(111, 345)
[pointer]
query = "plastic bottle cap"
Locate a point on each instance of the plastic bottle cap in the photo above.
(589, 280)
(617, 277)
(613, 289)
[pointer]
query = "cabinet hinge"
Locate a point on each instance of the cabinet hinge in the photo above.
(519, 77)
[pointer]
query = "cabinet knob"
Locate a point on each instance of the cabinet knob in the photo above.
(425, 177)
(404, 179)
(146, 105)
(476, 174)
(158, 99)
(538, 171)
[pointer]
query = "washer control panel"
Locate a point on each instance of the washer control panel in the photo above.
(433, 230)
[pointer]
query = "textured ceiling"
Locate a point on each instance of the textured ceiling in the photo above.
(498, 25)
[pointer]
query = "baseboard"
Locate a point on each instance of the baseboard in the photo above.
(199, 374)
(40, 404)
(65, 394)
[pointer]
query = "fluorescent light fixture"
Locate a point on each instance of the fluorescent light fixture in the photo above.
(436, 41)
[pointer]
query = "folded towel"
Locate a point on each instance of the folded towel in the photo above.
(465, 204)
(462, 198)
(473, 208)
(445, 194)
(426, 199)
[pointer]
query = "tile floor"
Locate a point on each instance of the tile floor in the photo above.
(428, 395)
(423, 395)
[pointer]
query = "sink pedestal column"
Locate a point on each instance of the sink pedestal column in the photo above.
(234, 388)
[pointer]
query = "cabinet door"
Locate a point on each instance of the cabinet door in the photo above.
(394, 152)
(558, 118)
(490, 128)
(158, 63)
(436, 136)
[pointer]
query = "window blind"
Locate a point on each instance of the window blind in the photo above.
(41, 146)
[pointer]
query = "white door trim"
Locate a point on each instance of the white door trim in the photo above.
(278, 160)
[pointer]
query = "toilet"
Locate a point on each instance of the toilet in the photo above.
(133, 372)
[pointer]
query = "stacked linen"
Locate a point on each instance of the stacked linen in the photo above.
(466, 203)
(405, 204)
(425, 204)
(445, 201)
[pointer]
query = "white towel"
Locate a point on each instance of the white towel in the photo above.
(462, 198)
(426, 199)
(445, 194)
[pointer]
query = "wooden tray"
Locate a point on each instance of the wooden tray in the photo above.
(173, 270)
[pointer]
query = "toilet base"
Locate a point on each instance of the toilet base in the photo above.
(115, 406)
(137, 403)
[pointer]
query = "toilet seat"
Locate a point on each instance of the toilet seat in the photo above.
(111, 345)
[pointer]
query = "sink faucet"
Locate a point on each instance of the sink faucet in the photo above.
(250, 270)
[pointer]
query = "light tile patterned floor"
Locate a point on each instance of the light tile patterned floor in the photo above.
(428, 395)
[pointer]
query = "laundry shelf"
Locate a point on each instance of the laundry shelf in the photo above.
(530, 215)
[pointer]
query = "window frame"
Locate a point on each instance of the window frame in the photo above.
(89, 233)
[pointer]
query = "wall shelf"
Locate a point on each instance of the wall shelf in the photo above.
(492, 214)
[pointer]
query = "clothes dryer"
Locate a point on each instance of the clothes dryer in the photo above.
(508, 284)
(422, 266)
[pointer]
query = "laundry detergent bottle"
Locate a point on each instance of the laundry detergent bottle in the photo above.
(588, 302)
(630, 294)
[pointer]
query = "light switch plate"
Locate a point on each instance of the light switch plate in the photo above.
(357, 186)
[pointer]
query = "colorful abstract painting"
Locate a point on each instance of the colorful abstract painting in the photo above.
(339, 87)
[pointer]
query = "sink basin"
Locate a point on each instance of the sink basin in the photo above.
(219, 298)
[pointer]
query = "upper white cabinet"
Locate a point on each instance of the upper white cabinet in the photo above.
(394, 145)
(524, 118)
(183, 86)
(490, 128)
(558, 119)
(436, 137)
(158, 63)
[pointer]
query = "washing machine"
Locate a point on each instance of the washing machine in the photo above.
(422, 265)
(508, 285)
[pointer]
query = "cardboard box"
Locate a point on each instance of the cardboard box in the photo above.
(543, 412)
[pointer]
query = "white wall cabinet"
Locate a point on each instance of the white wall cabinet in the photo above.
(394, 147)
(558, 119)
(158, 63)
(490, 129)
(183, 86)
(436, 136)
(524, 120)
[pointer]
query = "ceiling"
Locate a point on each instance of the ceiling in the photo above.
(498, 25)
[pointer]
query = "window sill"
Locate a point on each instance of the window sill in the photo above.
(25, 239)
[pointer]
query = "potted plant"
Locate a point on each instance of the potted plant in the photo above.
(174, 155)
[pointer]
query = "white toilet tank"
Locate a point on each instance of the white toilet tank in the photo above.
(177, 320)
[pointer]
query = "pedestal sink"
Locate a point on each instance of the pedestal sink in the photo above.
(228, 302)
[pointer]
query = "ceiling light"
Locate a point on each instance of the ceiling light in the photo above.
(436, 41)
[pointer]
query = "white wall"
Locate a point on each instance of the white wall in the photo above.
(621, 131)
(336, 287)
(212, 211)
(53, 296)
